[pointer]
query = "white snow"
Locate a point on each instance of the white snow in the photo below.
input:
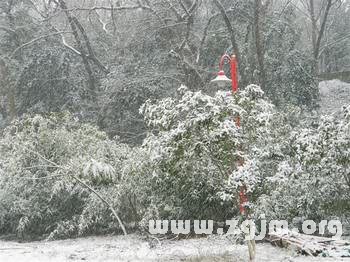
(134, 248)
(334, 95)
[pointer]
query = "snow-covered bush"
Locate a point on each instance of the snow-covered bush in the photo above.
(295, 164)
(312, 177)
(54, 169)
(195, 145)
(39, 161)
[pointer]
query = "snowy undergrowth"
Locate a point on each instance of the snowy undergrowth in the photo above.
(334, 95)
(186, 168)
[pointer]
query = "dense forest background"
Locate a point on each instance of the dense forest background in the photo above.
(102, 60)
(93, 120)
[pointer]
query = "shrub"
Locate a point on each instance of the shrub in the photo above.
(313, 179)
(40, 159)
(195, 143)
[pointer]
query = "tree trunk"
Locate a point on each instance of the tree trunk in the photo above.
(258, 43)
(5, 80)
(91, 79)
(232, 38)
(8, 90)
(317, 35)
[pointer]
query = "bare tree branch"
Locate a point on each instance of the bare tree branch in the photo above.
(69, 46)
(104, 25)
(232, 34)
(184, 7)
(173, 9)
(323, 27)
(91, 54)
(38, 39)
(258, 42)
(204, 37)
(187, 64)
(73, 26)
(117, 8)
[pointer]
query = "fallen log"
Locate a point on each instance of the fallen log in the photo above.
(309, 244)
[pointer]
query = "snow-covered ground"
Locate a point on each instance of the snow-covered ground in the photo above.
(334, 95)
(134, 248)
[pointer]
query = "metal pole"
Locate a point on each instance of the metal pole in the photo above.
(234, 75)
(243, 199)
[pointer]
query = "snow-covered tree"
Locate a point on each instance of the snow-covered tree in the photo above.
(195, 145)
(312, 178)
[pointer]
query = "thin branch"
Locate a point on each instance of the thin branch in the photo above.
(107, 8)
(176, 55)
(103, 200)
(36, 9)
(204, 37)
(334, 43)
(83, 184)
(184, 7)
(188, 31)
(117, 8)
(88, 56)
(154, 12)
(173, 9)
(173, 25)
(112, 17)
(307, 15)
(194, 6)
(33, 41)
(8, 30)
(231, 32)
(39, 166)
(91, 54)
(69, 46)
(104, 25)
